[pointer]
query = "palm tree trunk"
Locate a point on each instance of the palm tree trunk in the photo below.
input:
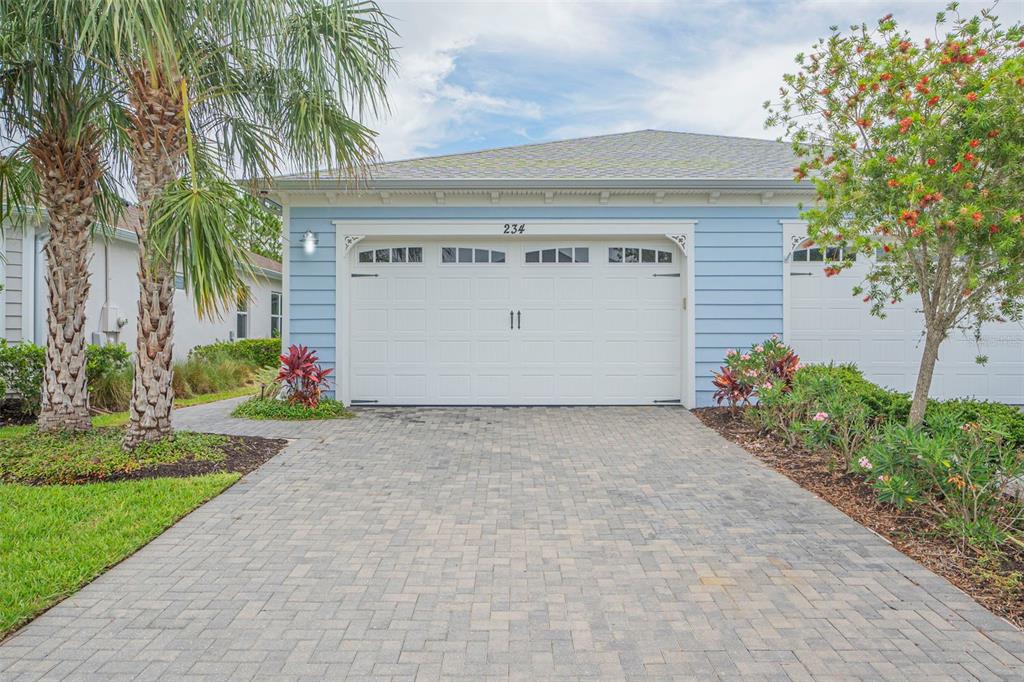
(158, 144)
(152, 388)
(69, 179)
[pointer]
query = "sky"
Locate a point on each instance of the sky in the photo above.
(479, 74)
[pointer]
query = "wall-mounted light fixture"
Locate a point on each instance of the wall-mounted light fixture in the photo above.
(309, 241)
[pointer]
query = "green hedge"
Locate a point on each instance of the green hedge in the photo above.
(259, 352)
(818, 386)
(21, 374)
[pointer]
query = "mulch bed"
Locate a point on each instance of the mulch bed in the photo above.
(242, 455)
(996, 584)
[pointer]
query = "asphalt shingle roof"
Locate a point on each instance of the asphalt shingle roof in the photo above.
(640, 155)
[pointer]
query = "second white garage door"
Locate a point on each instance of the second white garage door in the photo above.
(829, 324)
(539, 323)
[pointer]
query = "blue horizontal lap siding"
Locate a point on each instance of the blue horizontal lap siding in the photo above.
(738, 270)
(738, 289)
(312, 289)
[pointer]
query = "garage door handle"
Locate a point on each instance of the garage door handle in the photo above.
(519, 319)
(801, 274)
(511, 320)
(666, 274)
(365, 274)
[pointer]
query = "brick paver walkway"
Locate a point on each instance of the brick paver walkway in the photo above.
(528, 543)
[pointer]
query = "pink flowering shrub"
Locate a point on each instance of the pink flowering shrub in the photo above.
(767, 366)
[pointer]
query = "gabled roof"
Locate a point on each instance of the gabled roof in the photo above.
(650, 157)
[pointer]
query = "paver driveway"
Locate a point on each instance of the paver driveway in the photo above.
(533, 543)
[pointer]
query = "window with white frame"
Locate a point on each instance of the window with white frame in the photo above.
(275, 314)
(242, 318)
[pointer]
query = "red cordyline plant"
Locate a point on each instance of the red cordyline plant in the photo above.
(305, 379)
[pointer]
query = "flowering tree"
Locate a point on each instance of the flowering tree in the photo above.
(917, 153)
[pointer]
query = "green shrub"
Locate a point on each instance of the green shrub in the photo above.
(960, 468)
(21, 370)
(259, 352)
(270, 408)
(109, 370)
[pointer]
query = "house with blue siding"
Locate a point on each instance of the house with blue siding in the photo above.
(615, 269)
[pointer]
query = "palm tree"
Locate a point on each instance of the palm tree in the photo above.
(212, 88)
(55, 132)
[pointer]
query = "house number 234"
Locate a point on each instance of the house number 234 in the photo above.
(515, 228)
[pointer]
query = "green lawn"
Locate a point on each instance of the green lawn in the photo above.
(54, 539)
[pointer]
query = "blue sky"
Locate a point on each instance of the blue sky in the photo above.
(486, 73)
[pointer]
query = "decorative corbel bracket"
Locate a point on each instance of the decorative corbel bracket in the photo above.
(352, 239)
(680, 240)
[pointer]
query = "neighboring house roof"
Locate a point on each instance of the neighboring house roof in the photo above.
(648, 157)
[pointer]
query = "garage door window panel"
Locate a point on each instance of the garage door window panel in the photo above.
(460, 255)
(398, 254)
(561, 255)
(637, 255)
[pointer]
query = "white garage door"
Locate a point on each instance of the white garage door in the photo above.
(829, 324)
(492, 323)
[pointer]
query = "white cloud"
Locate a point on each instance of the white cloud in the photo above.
(551, 69)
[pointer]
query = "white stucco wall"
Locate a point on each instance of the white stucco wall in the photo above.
(190, 331)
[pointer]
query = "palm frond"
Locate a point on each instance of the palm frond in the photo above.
(195, 223)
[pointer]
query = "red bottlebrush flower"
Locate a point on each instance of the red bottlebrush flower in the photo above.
(969, 157)
(981, 52)
(864, 123)
(972, 96)
(904, 45)
(993, 229)
(909, 217)
(916, 232)
(829, 159)
(886, 77)
(831, 271)
(1021, 44)
(923, 89)
(977, 216)
(931, 162)
(826, 91)
(905, 124)
(874, 87)
(886, 248)
(967, 59)
(893, 182)
(933, 101)
(937, 196)
(975, 143)
(891, 159)
(1020, 82)
(862, 87)
(957, 167)
(993, 133)
(866, 299)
